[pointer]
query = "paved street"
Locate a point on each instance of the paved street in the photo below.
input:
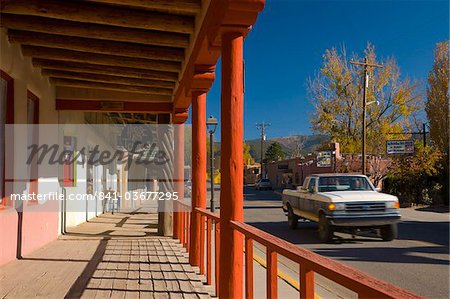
(418, 260)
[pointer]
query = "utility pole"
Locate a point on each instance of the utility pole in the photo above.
(424, 131)
(366, 65)
(262, 126)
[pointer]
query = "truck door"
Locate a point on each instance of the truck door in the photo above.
(309, 195)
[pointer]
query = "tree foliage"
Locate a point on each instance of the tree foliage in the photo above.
(414, 178)
(248, 159)
(437, 102)
(437, 108)
(336, 93)
(298, 145)
(275, 152)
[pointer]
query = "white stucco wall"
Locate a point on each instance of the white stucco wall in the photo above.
(40, 224)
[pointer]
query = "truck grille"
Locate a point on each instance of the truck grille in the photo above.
(365, 207)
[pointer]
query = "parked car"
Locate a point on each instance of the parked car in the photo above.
(263, 184)
(342, 202)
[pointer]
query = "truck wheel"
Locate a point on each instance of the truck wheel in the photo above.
(325, 229)
(389, 232)
(292, 218)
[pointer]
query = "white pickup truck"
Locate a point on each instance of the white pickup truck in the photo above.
(342, 202)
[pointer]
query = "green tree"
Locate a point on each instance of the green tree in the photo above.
(437, 107)
(336, 93)
(274, 152)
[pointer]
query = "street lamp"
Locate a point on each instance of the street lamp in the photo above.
(211, 125)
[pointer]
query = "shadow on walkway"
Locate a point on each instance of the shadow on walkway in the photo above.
(116, 255)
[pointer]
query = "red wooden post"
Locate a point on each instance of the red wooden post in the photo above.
(248, 268)
(208, 250)
(231, 166)
(183, 224)
(202, 244)
(179, 181)
(217, 257)
(198, 172)
(188, 229)
(306, 283)
(272, 274)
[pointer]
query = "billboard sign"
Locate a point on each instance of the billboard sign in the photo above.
(400, 147)
(324, 159)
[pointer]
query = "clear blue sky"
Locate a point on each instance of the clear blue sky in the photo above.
(286, 45)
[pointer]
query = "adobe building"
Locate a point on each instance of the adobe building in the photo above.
(251, 173)
(291, 173)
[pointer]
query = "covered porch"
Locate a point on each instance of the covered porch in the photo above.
(144, 62)
(112, 256)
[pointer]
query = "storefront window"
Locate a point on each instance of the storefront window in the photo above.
(6, 116)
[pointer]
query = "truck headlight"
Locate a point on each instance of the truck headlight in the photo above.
(336, 206)
(392, 205)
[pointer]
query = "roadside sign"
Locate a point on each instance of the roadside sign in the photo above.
(400, 147)
(324, 159)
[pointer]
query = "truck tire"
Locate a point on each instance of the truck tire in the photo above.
(292, 218)
(325, 229)
(389, 232)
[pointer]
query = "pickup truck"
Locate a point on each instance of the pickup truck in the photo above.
(342, 202)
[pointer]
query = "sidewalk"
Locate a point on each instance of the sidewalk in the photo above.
(120, 256)
(112, 256)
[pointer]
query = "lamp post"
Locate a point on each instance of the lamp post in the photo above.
(211, 125)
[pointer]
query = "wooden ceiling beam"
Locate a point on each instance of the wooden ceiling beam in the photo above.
(110, 86)
(108, 79)
(100, 14)
(95, 45)
(189, 7)
(102, 59)
(104, 69)
(131, 120)
(87, 30)
(113, 106)
(72, 93)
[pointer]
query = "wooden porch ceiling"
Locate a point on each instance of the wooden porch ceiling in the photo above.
(120, 45)
(156, 51)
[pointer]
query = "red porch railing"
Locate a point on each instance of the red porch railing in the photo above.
(185, 220)
(212, 221)
(309, 262)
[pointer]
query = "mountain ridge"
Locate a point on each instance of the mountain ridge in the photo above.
(290, 144)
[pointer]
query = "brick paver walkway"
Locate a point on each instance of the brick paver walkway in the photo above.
(112, 256)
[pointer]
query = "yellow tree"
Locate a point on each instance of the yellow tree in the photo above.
(414, 175)
(248, 159)
(437, 108)
(438, 98)
(336, 93)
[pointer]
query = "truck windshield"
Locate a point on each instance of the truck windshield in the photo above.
(344, 183)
